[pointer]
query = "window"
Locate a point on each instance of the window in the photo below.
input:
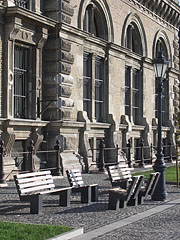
(161, 47)
(99, 85)
(93, 87)
(133, 94)
(94, 22)
(127, 90)
(20, 82)
(133, 39)
(87, 84)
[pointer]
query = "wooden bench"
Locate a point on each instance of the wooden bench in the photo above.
(149, 188)
(89, 193)
(120, 198)
(119, 175)
(32, 186)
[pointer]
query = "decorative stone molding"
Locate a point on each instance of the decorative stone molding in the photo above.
(65, 45)
(176, 96)
(166, 10)
(8, 137)
(26, 36)
(65, 68)
(42, 36)
(12, 29)
(66, 91)
(67, 57)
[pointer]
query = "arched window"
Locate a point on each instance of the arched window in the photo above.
(133, 39)
(161, 47)
(94, 22)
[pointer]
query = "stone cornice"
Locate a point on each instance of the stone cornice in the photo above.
(16, 11)
(166, 11)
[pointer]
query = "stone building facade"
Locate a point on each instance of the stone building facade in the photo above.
(81, 71)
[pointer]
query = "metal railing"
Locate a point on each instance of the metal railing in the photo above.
(141, 155)
(25, 161)
(21, 3)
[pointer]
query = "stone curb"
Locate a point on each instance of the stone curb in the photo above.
(68, 235)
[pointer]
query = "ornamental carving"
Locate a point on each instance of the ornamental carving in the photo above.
(67, 57)
(65, 19)
(67, 9)
(66, 91)
(65, 45)
(65, 114)
(65, 68)
(26, 36)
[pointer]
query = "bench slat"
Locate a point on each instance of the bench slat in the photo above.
(35, 189)
(35, 183)
(32, 174)
(33, 179)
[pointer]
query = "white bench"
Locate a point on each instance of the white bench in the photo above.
(32, 186)
(119, 175)
(120, 198)
(89, 193)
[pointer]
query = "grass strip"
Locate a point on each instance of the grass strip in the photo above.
(23, 231)
(170, 174)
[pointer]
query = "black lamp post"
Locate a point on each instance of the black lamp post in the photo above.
(160, 66)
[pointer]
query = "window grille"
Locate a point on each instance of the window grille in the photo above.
(99, 88)
(135, 95)
(127, 90)
(87, 82)
(20, 81)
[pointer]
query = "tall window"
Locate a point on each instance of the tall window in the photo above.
(133, 94)
(136, 95)
(93, 87)
(99, 88)
(161, 47)
(133, 39)
(127, 90)
(20, 82)
(87, 84)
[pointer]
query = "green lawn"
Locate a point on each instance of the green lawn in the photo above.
(22, 231)
(170, 174)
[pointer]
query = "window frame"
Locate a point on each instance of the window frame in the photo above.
(133, 94)
(24, 111)
(96, 82)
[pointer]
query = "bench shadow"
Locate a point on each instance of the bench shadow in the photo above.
(95, 207)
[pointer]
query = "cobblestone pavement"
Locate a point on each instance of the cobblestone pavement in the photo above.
(161, 226)
(95, 215)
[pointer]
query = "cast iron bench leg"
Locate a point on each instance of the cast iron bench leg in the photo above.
(36, 204)
(140, 199)
(113, 202)
(86, 194)
(122, 203)
(133, 202)
(64, 198)
(94, 193)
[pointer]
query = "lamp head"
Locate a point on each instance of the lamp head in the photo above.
(160, 65)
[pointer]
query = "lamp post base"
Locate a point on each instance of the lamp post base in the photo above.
(160, 193)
